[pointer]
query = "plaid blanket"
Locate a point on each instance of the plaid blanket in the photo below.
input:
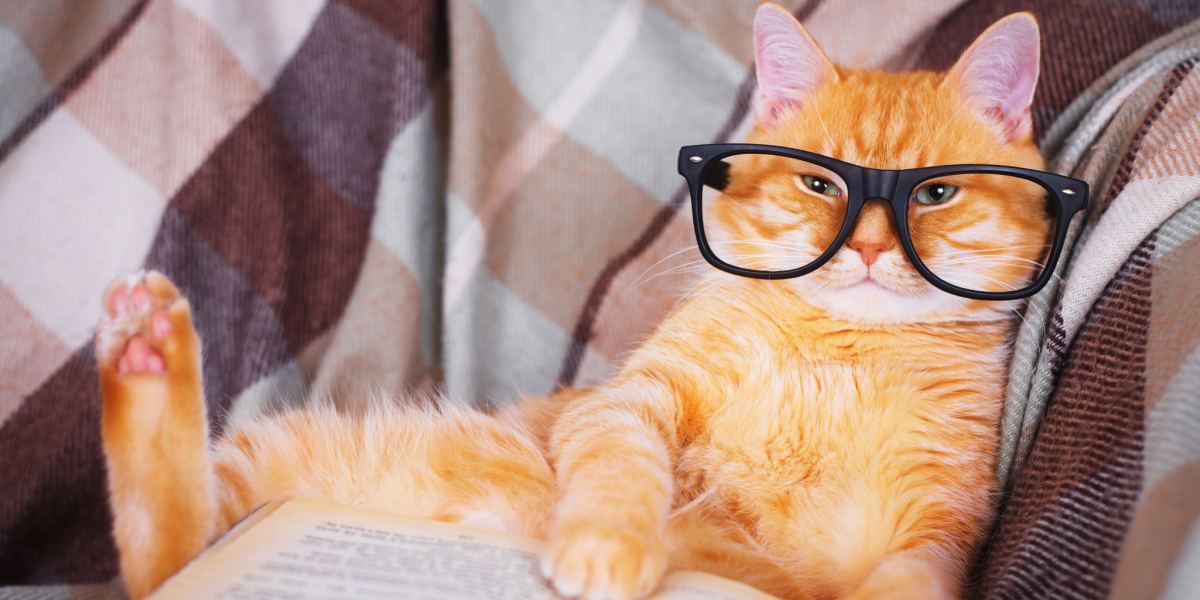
(1104, 390)
(364, 196)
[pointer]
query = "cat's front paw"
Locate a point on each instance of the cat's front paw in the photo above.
(594, 561)
(144, 318)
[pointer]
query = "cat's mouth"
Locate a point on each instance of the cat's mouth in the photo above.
(873, 281)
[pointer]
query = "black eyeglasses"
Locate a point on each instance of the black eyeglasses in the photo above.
(987, 232)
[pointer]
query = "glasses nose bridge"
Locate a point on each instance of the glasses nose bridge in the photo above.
(879, 184)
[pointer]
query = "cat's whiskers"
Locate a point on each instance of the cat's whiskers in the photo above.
(778, 262)
(947, 273)
(698, 266)
(1004, 287)
(792, 257)
(993, 260)
(982, 267)
(762, 261)
(989, 259)
(638, 279)
(977, 257)
(1039, 268)
(1039, 312)
(998, 260)
(999, 249)
(690, 265)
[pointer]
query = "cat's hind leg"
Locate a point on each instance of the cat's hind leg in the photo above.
(912, 574)
(154, 429)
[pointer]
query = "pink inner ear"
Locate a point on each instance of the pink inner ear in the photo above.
(999, 73)
(789, 64)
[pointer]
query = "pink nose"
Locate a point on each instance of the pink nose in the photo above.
(869, 250)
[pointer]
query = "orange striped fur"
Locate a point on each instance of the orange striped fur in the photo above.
(817, 437)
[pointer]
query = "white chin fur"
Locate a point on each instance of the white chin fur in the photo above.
(868, 302)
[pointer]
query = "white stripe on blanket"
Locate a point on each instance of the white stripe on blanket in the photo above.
(1139, 209)
(522, 157)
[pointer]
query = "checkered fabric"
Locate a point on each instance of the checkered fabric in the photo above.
(365, 196)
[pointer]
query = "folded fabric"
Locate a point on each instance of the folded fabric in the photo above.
(1104, 391)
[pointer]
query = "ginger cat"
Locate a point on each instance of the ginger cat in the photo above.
(829, 436)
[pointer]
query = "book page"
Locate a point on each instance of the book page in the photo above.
(694, 585)
(312, 549)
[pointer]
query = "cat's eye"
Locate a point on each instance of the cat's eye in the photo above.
(794, 209)
(935, 193)
(820, 186)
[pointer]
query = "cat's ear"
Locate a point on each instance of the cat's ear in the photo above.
(999, 72)
(790, 65)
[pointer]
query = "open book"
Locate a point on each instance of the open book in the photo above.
(312, 549)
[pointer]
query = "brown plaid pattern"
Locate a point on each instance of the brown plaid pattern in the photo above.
(362, 196)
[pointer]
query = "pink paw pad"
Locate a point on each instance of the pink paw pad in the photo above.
(124, 299)
(134, 311)
(139, 357)
(160, 324)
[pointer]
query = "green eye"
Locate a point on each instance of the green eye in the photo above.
(820, 186)
(936, 193)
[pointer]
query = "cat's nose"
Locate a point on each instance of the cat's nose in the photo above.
(869, 250)
(874, 233)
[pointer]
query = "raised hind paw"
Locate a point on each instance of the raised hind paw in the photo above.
(146, 327)
(154, 429)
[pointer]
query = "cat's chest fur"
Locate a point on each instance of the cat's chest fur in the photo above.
(819, 424)
(794, 421)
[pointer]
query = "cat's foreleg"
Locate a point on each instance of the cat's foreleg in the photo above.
(154, 430)
(613, 453)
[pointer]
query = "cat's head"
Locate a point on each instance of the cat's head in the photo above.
(976, 112)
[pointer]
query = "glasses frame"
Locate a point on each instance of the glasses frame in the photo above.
(894, 187)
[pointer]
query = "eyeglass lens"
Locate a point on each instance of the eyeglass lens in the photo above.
(980, 232)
